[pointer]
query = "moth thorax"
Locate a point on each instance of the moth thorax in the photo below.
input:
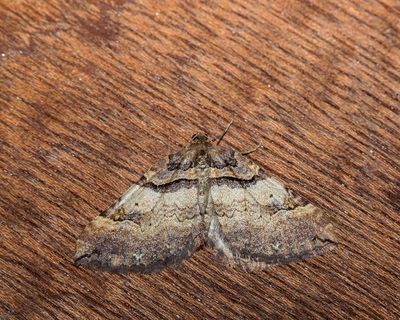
(202, 162)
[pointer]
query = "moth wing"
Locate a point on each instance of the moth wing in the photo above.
(148, 229)
(260, 223)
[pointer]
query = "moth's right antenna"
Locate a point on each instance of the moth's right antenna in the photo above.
(224, 133)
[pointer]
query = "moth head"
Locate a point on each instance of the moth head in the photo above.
(200, 138)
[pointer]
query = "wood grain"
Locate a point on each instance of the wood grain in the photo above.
(94, 92)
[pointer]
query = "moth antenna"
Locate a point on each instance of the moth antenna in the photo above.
(224, 133)
(251, 150)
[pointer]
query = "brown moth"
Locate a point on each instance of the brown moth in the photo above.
(204, 195)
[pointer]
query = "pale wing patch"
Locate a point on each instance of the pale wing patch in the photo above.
(268, 192)
(215, 236)
(263, 197)
(140, 205)
(129, 194)
(147, 206)
(182, 203)
(142, 200)
(227, 200)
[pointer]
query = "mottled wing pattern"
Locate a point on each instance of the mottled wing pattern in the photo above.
(148, 229)
(204, 194)
(261, 223)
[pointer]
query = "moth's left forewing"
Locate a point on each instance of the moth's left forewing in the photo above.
(150, 227)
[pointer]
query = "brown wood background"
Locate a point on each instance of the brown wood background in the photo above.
(94, 92)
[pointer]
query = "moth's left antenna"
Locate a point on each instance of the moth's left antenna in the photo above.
(224, 133)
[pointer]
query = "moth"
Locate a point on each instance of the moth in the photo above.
(204, 195)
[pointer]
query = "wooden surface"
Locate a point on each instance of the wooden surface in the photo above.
(94, 92)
